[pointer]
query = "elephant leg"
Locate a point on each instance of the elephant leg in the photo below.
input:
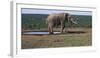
(62, 27)
(50, 28)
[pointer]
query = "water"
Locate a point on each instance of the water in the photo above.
(30, 33)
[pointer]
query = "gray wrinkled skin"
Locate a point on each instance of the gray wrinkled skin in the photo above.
(58, 19)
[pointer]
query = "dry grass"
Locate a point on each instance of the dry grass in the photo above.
(61, 40)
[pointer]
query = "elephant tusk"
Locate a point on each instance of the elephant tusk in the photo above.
(73, 21)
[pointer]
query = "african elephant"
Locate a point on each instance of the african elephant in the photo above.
(57, 19)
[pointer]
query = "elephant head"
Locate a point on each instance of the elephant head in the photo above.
(69, 18)
(58, 19)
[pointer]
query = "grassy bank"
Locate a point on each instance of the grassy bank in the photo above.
(61, 40)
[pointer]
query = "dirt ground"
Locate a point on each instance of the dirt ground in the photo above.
(72, 38)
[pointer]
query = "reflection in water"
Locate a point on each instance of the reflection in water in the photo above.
(30, 33)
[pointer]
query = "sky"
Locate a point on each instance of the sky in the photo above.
(46, 11)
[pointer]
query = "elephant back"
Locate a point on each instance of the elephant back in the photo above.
(56, 16)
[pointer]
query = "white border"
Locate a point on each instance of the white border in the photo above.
(16, 32)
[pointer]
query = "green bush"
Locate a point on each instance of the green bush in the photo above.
(37, 21)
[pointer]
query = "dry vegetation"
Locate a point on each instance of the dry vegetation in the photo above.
(60, 40)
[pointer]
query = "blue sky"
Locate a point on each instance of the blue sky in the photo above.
(44, 11)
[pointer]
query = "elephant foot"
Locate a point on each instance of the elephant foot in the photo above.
(51, 33)
(61, 32)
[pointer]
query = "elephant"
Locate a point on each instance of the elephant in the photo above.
(56, 19)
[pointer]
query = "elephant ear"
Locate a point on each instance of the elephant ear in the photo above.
(68, 17)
